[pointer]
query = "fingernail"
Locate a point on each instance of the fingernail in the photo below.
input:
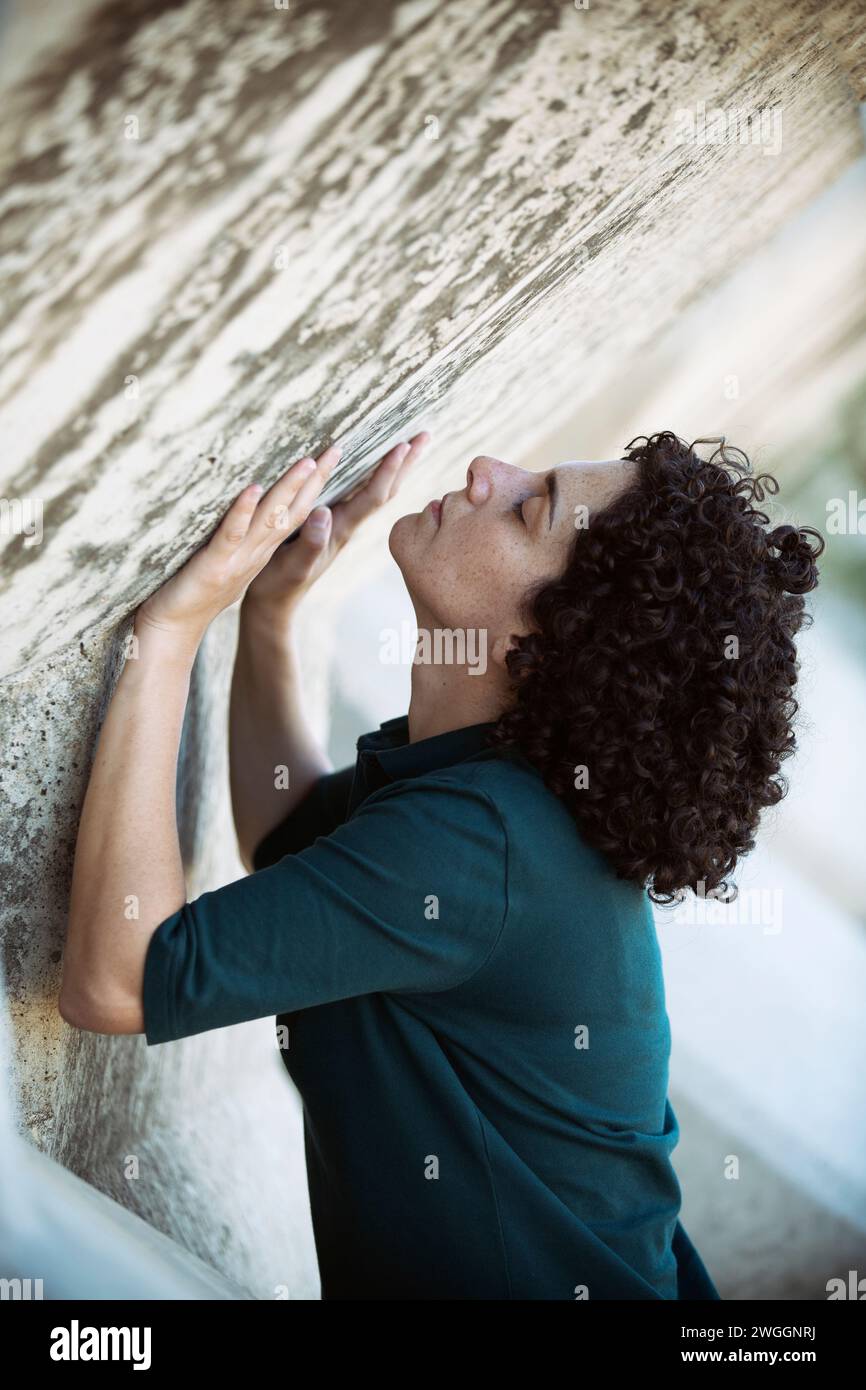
(308, 466)
(319, 520)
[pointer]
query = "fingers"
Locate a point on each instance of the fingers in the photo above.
(291, 496)
(235, 525)
(316, 530)
(267, 518)
(417, 445)
(379, 488)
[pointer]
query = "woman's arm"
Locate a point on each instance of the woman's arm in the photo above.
(267, 730)
(128, 873)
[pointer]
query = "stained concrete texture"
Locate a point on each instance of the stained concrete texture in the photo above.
(61, 1238)
(230, 234)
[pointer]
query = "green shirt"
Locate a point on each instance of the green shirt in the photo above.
(472, 1008)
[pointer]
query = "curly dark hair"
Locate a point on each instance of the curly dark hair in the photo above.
(662, 662)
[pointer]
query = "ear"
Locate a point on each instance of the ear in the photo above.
(501, 646)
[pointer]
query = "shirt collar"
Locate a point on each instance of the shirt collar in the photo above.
(389, 746)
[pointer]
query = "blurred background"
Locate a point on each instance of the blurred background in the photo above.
(233, 233)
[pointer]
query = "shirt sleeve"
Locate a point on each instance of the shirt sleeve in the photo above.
(318, 813)
(409, 894)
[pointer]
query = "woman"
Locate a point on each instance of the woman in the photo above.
(456, 935)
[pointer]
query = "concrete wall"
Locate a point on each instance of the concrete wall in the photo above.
(230, 234)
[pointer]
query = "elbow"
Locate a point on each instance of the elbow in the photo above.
(101, 1015)
(76, 1012)
(70, 1011)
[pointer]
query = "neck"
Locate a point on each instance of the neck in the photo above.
(454, 682)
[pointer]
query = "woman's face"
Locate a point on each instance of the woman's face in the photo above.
(468, 560)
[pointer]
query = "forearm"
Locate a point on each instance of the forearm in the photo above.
(128, 873)
(267, 729)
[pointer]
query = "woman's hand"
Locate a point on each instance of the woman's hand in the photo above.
(242, 545)
(293, 568)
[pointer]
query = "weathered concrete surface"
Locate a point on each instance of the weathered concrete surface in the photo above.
(154, 355)
(282, 256)
(61, 1238)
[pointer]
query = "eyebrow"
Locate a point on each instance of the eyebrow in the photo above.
(552, 485)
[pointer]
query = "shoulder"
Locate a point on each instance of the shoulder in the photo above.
(518, 791)
(447, 820)
(498, 784)
(541, 832)
(496, 801)
(450, 797)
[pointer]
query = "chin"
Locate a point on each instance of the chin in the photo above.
(398, 536)
(408, 550)
(396, 540)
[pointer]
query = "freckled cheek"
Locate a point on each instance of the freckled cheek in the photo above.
(497, 573)
(478, 557)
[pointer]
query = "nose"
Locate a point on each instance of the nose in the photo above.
(484, 473)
